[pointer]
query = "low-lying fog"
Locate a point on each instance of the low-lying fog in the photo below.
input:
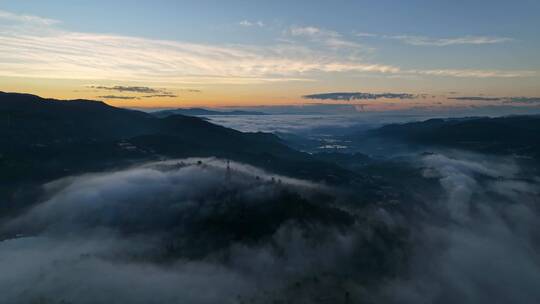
(209, 231)
(311, 133)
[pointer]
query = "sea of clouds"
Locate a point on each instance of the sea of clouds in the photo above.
(141, 235)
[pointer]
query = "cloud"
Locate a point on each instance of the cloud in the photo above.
(440, 42)
(470, 40)
(297, 119)
(132, 89)
(167, 232)
(247, 23)
(524, 100)
(359, 96)
(118, 97)
(365, 35)
(50, 52)
(328, 38)
(183, 231)
(476, 98)
(469, 73)
(88, 201)
(161, 95)
(505, 100)
(27, 19)
(135, 89)
(312, 31)
(58, 268)
(489, 218)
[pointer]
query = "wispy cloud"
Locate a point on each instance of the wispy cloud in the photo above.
(161, 95)
(60, 54)
(27, 19)
(348, 96)
(312, 31)
(470, 73)
(418, 40)
(49, 52)
(476, 98)
(329, 38)
(523, 100)
(248, 23)
(427, 41)
(504, 100)
(118, 97)
(164, 93)
(132, 89)
(362, 34)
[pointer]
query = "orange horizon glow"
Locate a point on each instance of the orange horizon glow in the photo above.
(223, 95)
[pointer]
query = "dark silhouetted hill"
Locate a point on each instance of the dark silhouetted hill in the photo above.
(44, 139)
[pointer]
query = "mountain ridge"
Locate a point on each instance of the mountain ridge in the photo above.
(511, 135)
(203, 112)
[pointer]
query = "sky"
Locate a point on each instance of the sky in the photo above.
(165, 53)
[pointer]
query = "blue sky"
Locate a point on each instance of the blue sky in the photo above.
(199, 20)
(417, 46)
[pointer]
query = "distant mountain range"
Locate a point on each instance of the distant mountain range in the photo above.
(512, 135)
(202, 112)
